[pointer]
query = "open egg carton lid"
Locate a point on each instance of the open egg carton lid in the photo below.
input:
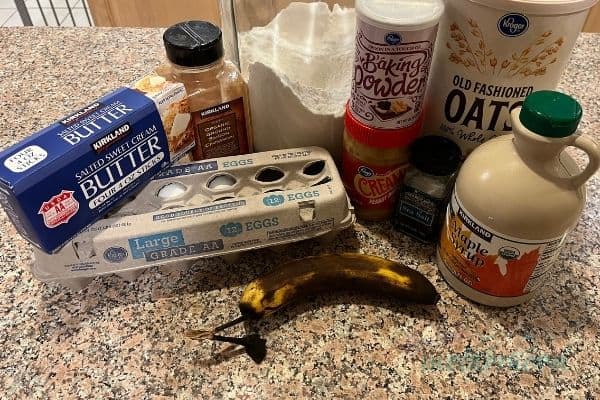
(209, 208)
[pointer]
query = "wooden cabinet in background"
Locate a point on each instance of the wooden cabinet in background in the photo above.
(592, 24)
(151, 13)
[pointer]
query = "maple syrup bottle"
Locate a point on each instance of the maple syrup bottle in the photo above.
(516, 198)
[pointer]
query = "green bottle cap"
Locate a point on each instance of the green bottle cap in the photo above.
(550, 114)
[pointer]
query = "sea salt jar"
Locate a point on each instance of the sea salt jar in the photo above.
(427, 185)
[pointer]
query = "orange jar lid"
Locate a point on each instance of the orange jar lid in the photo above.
(382, 138)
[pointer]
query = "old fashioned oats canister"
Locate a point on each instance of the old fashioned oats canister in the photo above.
(490, 55)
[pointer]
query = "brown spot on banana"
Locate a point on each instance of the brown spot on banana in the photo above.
(297, 279)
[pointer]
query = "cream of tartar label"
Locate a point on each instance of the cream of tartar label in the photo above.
(490, 262)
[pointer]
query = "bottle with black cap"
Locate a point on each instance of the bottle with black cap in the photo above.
(427, 185)
(217, 93)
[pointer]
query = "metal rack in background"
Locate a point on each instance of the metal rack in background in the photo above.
(23, 11)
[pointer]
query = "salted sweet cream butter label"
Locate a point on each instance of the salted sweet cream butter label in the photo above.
(492, 263)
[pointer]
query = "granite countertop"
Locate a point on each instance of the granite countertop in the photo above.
(117, 339)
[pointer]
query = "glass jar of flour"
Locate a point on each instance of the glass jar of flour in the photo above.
(297, 58)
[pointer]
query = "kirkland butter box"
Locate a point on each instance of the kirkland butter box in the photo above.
(60, 180)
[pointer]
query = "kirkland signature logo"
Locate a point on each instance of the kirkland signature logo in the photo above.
(513, 24)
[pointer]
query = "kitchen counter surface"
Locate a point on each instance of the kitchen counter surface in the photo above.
(117, 339)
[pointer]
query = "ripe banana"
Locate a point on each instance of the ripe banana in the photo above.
(355, 272)
(296, 279)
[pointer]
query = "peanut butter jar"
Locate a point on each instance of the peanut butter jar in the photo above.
(374, 162)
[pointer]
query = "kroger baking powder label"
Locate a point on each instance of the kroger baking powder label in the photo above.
(390, 75)
(370, 187)
(490, 262)
(487, 61)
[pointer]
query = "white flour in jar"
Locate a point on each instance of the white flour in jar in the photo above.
(299, 72)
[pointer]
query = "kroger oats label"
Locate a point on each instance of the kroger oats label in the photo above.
(487, 61)
(492, 263)
(390, 75)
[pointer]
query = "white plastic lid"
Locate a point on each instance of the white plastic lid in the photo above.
(539, 7)
(410, 15)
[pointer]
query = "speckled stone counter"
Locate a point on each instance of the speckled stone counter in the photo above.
(119, 340)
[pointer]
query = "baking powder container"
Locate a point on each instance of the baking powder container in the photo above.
(394, 49)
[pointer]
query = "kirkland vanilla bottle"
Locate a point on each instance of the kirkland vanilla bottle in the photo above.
(516, 198)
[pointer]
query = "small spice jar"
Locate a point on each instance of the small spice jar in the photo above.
(423, 196)
(217, 93)
(373, 166)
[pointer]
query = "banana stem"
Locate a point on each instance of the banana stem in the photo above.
(229, 339)
(255, 346)
(202, 334)
(226, 325)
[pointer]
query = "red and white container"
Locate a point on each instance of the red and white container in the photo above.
(394, 49)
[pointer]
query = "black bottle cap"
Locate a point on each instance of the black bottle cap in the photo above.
(193, 43)
(435, 155)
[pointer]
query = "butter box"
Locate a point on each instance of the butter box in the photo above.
(60, 180)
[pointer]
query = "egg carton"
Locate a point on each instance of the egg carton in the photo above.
(210, 208)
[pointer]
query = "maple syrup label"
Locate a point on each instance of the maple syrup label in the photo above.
(220, 131)
(490, 262)
(371, 187)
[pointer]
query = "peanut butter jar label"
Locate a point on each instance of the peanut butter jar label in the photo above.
(371, 187)
(220, 131)
(390, 75)
(490, 262)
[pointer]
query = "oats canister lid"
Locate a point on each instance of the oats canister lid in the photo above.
(193, 43)
(551, 114)
(539, 7)
(409, 14)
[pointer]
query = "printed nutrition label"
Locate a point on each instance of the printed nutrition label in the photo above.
(300, 229)
(546, 261)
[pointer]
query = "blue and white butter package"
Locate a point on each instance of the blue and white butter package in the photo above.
(209, 208)
(60, 180)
